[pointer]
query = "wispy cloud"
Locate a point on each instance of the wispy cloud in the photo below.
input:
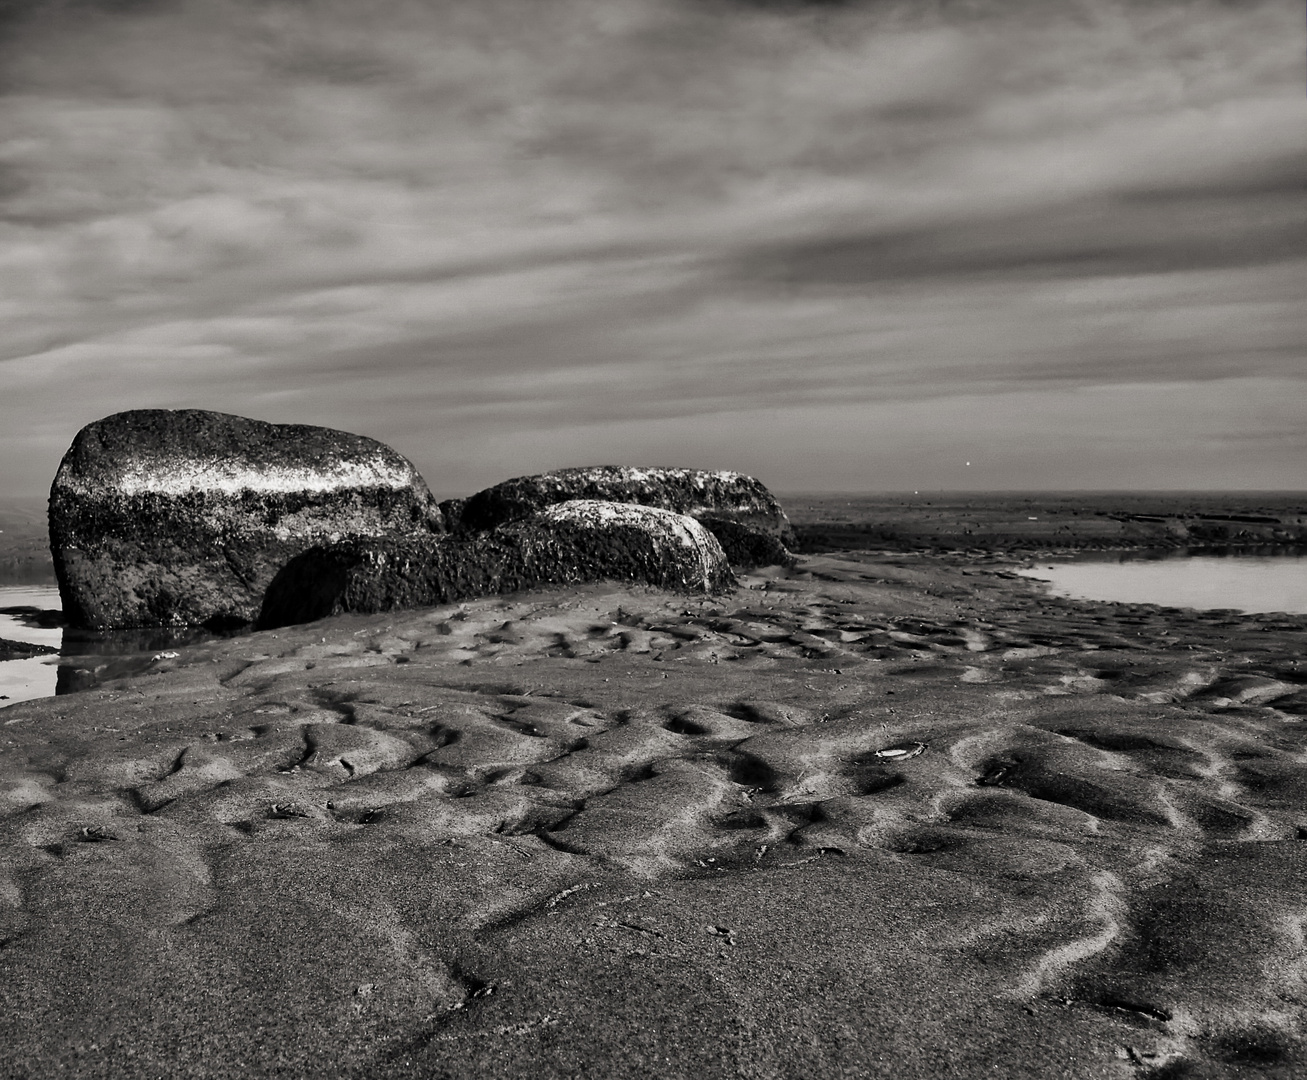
(546, 223)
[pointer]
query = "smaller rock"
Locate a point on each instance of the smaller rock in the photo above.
(573, 542)
(745, 546)
(730, 496)
(451, 510)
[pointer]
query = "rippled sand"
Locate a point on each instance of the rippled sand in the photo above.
(604, 832)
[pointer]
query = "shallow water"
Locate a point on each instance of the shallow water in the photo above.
(1249, 583)
(33, 613)
(22, 680)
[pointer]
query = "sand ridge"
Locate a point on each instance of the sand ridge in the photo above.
(616, 832)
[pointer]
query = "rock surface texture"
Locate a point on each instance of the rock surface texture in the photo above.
(739, 510)
(745, 546)
(573, 542)
(165, 518)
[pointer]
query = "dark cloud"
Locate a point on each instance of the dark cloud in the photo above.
(15, 12)
(1279, 174)
(795, 5)
(1151, 232)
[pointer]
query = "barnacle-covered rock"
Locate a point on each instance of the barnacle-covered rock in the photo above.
(573, 542)
(739, 510)
(729, 495)
(165, 518)
(745, 546)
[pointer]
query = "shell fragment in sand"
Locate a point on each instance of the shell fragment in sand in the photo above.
(901, 751)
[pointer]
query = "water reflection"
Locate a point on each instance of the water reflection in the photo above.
(89, 658)
(32, 613)
(1274, 580)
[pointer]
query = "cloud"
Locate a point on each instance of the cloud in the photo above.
(1130, 233)
(603, 212)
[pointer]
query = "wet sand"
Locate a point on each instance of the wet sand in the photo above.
(607, 832)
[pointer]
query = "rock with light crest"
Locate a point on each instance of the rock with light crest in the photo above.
(168, 518)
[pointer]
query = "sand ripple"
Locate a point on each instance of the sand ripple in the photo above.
(501, 836)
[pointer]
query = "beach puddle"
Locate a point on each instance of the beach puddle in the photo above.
(1242, 582)
(29, 613)
(32, 613)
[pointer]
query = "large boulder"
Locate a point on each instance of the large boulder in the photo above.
(573, 542)
(166, 518)
(743, 515)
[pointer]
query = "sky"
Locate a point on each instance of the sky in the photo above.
(840, 246)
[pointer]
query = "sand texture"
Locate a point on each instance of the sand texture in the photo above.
(606, 832)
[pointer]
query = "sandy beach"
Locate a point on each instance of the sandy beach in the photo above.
(606, 832)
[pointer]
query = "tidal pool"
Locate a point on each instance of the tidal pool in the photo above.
(85, 658)
(26, 614)
(1249, 583)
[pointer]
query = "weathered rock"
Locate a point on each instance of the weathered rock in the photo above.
(747, 547)
(452, 511)
(720, 495)
(573, 542)
(744, 516)
(163, 518)
(596, 540)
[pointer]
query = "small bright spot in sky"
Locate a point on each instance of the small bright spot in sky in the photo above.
(968, 463)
